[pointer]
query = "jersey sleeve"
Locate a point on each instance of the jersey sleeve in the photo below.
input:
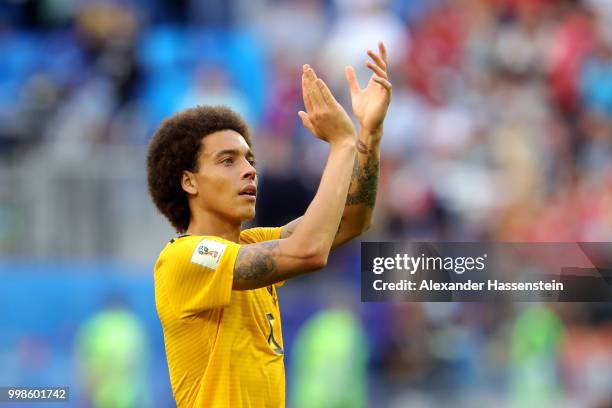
(198, 274)
(261, 234)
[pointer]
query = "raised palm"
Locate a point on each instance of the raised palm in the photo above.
(370, 104)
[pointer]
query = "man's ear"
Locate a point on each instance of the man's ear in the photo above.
(189, 183)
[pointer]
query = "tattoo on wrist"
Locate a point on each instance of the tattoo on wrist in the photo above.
(362, 147)
(366, 177)
(257, 262)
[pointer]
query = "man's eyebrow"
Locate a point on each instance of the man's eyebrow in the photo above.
(233, 152)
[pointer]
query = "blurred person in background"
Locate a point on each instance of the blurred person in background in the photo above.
(112, 355)
(215, 284)
(537, 337)
(330, 358)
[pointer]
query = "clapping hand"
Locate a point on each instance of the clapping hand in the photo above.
(370, 104)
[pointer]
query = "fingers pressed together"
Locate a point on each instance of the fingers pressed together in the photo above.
(317, 96)
(316, 93)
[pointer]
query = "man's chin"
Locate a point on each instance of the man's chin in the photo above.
(248, 216)
(245, 212)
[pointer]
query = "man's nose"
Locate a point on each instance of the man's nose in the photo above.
(249, 172)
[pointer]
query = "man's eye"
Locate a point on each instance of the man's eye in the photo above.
(228, 161)
(252, 162)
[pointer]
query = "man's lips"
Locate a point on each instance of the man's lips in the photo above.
(249, 191)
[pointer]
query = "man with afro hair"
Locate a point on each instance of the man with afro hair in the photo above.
(215, 284)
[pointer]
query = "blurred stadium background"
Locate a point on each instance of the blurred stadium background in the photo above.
(500, 129)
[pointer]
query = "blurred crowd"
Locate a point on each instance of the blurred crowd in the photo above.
(500, 129)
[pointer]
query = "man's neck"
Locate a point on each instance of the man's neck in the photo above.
(207, 224)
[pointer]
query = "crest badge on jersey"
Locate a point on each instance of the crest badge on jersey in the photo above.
(208, 253)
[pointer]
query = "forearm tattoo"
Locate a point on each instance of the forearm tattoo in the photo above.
(257, 262)
(364, 182)
(362, 189)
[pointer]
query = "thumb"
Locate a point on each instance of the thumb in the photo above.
(306, 121)
(351, 78)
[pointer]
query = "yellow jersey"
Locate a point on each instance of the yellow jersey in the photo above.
(224, 348)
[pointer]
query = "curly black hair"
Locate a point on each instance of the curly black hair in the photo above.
(175, 147)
